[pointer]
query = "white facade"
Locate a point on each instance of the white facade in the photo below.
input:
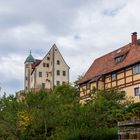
(52, 70)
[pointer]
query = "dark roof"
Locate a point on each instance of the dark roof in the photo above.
(107, 64)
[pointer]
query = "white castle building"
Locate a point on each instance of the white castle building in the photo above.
(52, 70)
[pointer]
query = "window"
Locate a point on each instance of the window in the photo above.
(40, 74)
(88, 86)
(136, 69)
(47, 65)
(43, 85)
(64, 73)
(48, 58)
(26, 78)
(58, 82)
(118, 59)
(44, 64)
(63, 82)
(58, 62)
(137, 91)
(113, 77)
(27, 66)
(47, 75)
(58, 72)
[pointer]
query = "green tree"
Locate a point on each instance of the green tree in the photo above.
(58, 115)
(8, 118)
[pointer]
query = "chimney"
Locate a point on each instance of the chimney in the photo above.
(134, 38)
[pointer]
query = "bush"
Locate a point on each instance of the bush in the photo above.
(57, 115)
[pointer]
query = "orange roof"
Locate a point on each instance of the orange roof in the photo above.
(107, 64)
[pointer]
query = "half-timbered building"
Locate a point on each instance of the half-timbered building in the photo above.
(119, 69)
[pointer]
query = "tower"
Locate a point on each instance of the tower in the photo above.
(28, 68)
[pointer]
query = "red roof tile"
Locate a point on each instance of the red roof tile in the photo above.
(36, 63)
(107, 64)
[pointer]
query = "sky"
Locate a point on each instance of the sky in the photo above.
(83, 30)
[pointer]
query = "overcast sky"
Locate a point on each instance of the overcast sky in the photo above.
(82, 29)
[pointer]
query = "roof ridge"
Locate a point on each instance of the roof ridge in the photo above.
(113, 51)
(106, 63)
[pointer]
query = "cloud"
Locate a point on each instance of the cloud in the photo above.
(11, 73)
(82, 30)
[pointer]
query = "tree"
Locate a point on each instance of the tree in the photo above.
(76, 82)
(58, 115)
(8, 117)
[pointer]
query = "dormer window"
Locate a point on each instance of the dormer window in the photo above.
(120, 56)
(119, 59)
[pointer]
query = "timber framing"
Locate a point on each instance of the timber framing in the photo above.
(106, 74)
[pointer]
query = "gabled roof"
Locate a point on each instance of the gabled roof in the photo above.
(37, 62)
(107, 64)
(53, 50)
(55, 47)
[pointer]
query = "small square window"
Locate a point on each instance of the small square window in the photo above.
(58, 62)
(47, 65)
(27, 66)
(40, 74)
(58, 72)
(88, 86)
(48, 58)
(136, 91)
(43, 85)
(47, 75)
(58, 82)
(119, 59)
(113, 77)
(136, 69)
(63, 82)
(64, 73)
(44, 64)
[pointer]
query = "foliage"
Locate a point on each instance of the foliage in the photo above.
(24, 120)
(58, 115)
(76, 82)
